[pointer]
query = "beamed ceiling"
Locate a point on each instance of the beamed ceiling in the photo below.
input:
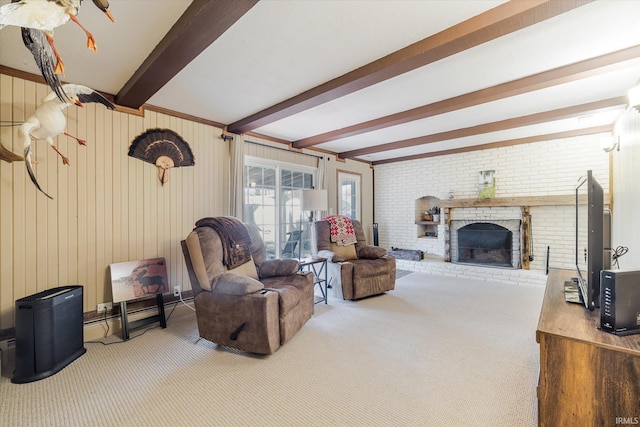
(376, 81)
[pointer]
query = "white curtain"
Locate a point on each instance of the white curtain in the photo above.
(236, 173)
(322, 179)
(322, 173)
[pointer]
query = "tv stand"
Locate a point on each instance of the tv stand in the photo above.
(587, 377)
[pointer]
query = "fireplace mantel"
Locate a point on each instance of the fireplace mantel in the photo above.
(557, 200)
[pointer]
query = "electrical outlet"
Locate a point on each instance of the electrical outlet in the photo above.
(105, 306)
(176, 291)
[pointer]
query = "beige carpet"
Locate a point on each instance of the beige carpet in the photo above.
(435, 351)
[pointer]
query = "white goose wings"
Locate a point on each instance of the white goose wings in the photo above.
(48, 121)
(38, 18)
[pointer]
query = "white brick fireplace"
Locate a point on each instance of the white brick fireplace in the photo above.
(504, 217)
(549, 168)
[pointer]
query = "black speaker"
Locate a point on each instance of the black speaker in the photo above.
(374, 232)
(49, 332)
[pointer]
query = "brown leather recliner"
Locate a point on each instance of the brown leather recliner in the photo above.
(256, 314)
(367, 271)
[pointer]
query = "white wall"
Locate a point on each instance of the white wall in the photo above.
(626, 185)
(538, 169)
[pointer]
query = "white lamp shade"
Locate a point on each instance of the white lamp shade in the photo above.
(634, 97)
(314, 200)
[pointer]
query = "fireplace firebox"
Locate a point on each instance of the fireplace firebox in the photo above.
(485, 243)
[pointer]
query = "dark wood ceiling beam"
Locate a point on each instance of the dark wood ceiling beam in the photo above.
(569, 73)
(516, 122)
(492, 24)
(504, 143)
(199, 26)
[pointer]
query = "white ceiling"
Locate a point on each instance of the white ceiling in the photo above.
(280, 49)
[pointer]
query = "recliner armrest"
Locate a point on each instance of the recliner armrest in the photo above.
(236, 284)
(331, 256)
(278, 268)
(372, 252)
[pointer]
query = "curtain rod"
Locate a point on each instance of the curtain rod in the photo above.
(283, 149)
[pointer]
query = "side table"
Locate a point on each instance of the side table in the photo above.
(318, 266)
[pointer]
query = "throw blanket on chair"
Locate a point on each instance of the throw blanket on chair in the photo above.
(342, 232)
(235, 239)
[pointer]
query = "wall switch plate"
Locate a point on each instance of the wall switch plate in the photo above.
(105, 306)
(176, 291)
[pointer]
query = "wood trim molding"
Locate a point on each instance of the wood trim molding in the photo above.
(12, 72)
(183, 116)
(140, 112)
(554, 200)
(497, 22)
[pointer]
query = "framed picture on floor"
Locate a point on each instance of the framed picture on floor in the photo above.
(137, 279)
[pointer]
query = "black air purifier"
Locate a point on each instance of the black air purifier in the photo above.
(49, 333)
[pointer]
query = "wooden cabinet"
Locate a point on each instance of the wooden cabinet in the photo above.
(587, 377)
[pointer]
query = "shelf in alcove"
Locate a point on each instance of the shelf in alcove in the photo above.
(427, 237)
(428, 222)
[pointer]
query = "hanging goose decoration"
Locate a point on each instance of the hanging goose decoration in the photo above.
(163, 148)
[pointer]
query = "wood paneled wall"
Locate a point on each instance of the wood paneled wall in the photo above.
(108, 207)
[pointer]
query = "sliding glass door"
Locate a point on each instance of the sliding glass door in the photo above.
(272, 201)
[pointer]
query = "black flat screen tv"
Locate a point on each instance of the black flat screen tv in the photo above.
(589, 239)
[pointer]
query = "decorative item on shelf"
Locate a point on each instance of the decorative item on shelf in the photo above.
(435, 213)
(487, 184)
(450, 195)
(426, 216)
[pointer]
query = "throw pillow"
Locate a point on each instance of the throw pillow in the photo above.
(348, 252)
(278, 267)
(236, 284)
(197, 260)
(372, 252)
(246, 269)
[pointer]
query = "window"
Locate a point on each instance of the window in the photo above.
(272, 195)
(349, 194)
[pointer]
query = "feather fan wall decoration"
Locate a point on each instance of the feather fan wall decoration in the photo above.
(163, 148)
